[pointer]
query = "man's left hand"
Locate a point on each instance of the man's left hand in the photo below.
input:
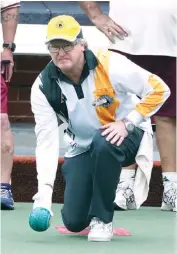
(115, 132)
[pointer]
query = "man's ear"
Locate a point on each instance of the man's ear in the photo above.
(84, 45)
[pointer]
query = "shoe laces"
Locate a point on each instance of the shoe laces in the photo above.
(100, 225)
(127, 188)
(5, 193)
(170, 193)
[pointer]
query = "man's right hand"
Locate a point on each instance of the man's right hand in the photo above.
(44, 198)
(106, 25)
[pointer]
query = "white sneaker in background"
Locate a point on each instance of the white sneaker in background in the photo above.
(125, 198)
(169, 200)
(99, 231)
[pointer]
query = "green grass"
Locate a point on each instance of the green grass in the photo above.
(152, 231)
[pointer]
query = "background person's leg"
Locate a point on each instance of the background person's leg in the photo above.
(77, 172)
(7, 149)
(166, 141)
(165, 120)
(124, 192)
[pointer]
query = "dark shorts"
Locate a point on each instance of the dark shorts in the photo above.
(4, 94)
(164, 67)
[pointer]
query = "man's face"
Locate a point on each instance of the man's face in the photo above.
(65, 55)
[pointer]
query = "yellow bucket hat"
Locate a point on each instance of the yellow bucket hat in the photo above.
(63, 27)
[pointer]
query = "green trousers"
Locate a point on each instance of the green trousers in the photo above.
(92, 177)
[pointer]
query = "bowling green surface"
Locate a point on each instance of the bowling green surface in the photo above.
(152, 232)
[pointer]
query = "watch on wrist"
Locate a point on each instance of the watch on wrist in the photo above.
(128, 125)
(10, 46)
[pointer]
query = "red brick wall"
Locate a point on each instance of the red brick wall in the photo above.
(26, 70)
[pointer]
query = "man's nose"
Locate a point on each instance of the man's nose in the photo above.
(61, 52)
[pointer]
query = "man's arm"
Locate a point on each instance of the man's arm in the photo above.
(47, 148)
(104, 23)
(91, 9)
(9, 20)
(129, 77)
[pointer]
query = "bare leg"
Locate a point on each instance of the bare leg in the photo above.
(7, 149)
(166, 141)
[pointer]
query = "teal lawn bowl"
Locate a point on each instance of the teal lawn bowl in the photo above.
(40, 219)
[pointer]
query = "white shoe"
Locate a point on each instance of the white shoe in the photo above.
(169, 200)
(99, 231)
(125, 198)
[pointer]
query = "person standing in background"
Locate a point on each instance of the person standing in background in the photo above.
(145, 32)
(9, 20)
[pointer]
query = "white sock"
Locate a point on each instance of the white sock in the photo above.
(127, 174)
(171, 176)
